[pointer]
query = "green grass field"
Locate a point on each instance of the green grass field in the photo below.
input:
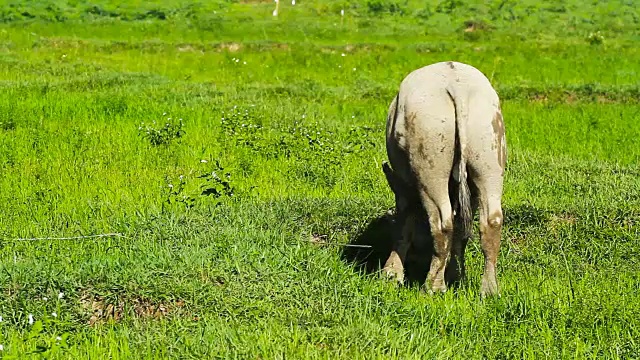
(237, 152)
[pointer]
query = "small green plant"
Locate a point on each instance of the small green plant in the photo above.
(448, 6)
(46, 343)
(164, 134)
(424, 14)
(386, 6)
(8, 116)
(217, 182)
(213, 182)
(595, 38)
(7, 124)
(360, 138)
(242, 126)
(176, 194)
(44, 329)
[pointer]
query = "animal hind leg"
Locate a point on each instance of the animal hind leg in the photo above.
(441, 223)
(455, 272)
(491, 218)
(394, 266)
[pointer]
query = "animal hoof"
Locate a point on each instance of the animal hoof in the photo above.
(393, 274)
(489, 288)
(438, 287)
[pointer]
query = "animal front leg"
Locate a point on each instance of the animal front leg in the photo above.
(455, 272)
(394, 267)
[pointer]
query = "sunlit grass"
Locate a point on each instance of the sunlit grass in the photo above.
(220, 213)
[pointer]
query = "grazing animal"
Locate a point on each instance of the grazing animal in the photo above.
(447, 153)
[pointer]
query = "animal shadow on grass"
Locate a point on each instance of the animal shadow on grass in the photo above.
(373, 246)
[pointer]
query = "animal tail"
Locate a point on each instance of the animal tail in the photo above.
(460, 167)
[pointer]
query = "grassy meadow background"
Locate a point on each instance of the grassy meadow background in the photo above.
(235, 151)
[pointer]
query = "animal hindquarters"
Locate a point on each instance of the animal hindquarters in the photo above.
(446, 113)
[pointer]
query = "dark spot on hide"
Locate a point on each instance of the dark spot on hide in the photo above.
(498, 131)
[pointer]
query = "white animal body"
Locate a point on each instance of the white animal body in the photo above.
(447, 153)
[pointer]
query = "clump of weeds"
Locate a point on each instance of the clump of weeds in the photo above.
(158, 134)
(210, 184)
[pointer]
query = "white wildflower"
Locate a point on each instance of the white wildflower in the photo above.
(45, 298)
(54, 314)
(0, 318)
(203, 161)
(342, 12)
(293, 2)
(60, 295)
(343, 54)
(58, 338)
(1, 347)
(171, 186)
(30, 319)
